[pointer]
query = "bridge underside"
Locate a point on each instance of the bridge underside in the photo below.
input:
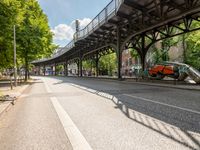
(137, 24)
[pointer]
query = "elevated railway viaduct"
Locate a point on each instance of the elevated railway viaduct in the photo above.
(128, 23)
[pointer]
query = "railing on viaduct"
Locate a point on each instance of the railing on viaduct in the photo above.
(109, 11)
(129, 23)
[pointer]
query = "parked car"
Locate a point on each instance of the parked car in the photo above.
(164, 69)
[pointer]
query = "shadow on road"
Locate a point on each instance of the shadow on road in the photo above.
(172, 123)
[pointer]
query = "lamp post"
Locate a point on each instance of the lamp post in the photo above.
(15, 67)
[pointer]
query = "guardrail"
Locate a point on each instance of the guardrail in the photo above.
(64, 49)
(100, 19)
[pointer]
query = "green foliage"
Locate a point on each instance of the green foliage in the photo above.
(9, 15)
(134, 53)
(166, 45)
(33, 35)
(88, 64)
(158, 56)
(59, 68)
(108, 63)
(193, 49)
(161, 54)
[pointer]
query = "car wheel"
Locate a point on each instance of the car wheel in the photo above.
(176, 75)
(160, 76)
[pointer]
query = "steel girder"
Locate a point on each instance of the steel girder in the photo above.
(142, 42)
(138, 22)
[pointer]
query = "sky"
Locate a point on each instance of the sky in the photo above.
(63, 13)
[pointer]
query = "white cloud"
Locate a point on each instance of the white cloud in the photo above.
(66, 32)
(84, 22)
(63, 32)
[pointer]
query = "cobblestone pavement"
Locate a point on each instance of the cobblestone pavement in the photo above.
(32, 124)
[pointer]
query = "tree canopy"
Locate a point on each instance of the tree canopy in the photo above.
(107, 64)
(33, 34)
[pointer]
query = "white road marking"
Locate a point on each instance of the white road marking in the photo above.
(47, 87)
(76, 138)
(156, 102)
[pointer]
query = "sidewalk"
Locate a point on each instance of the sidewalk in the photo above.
(16, 92)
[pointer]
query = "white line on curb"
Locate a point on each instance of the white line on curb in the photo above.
(76, 138)
(149, 100)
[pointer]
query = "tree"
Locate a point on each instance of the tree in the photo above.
(34, 36)
(134, 53)
(191, 46)
(193, 49)
(10, 14)
(108, 63)
(88, 64)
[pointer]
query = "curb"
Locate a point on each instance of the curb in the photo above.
(8, 105)
(165, 85)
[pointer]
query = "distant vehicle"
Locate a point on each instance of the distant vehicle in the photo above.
(174, 70)
(164, 69)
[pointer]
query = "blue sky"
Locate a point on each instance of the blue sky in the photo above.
(62, 13)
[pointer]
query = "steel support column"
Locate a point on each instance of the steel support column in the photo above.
(55, 73)
(39, 70)
(44, 70)
(66, 68)
(143, 53)
(97, 63)
(119, 53)
(52, 70)
(140, 44)
(80, 68)
(80, 65)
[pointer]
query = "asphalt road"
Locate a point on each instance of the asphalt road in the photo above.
(105, 115)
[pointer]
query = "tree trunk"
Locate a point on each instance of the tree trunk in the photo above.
(26, 69)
